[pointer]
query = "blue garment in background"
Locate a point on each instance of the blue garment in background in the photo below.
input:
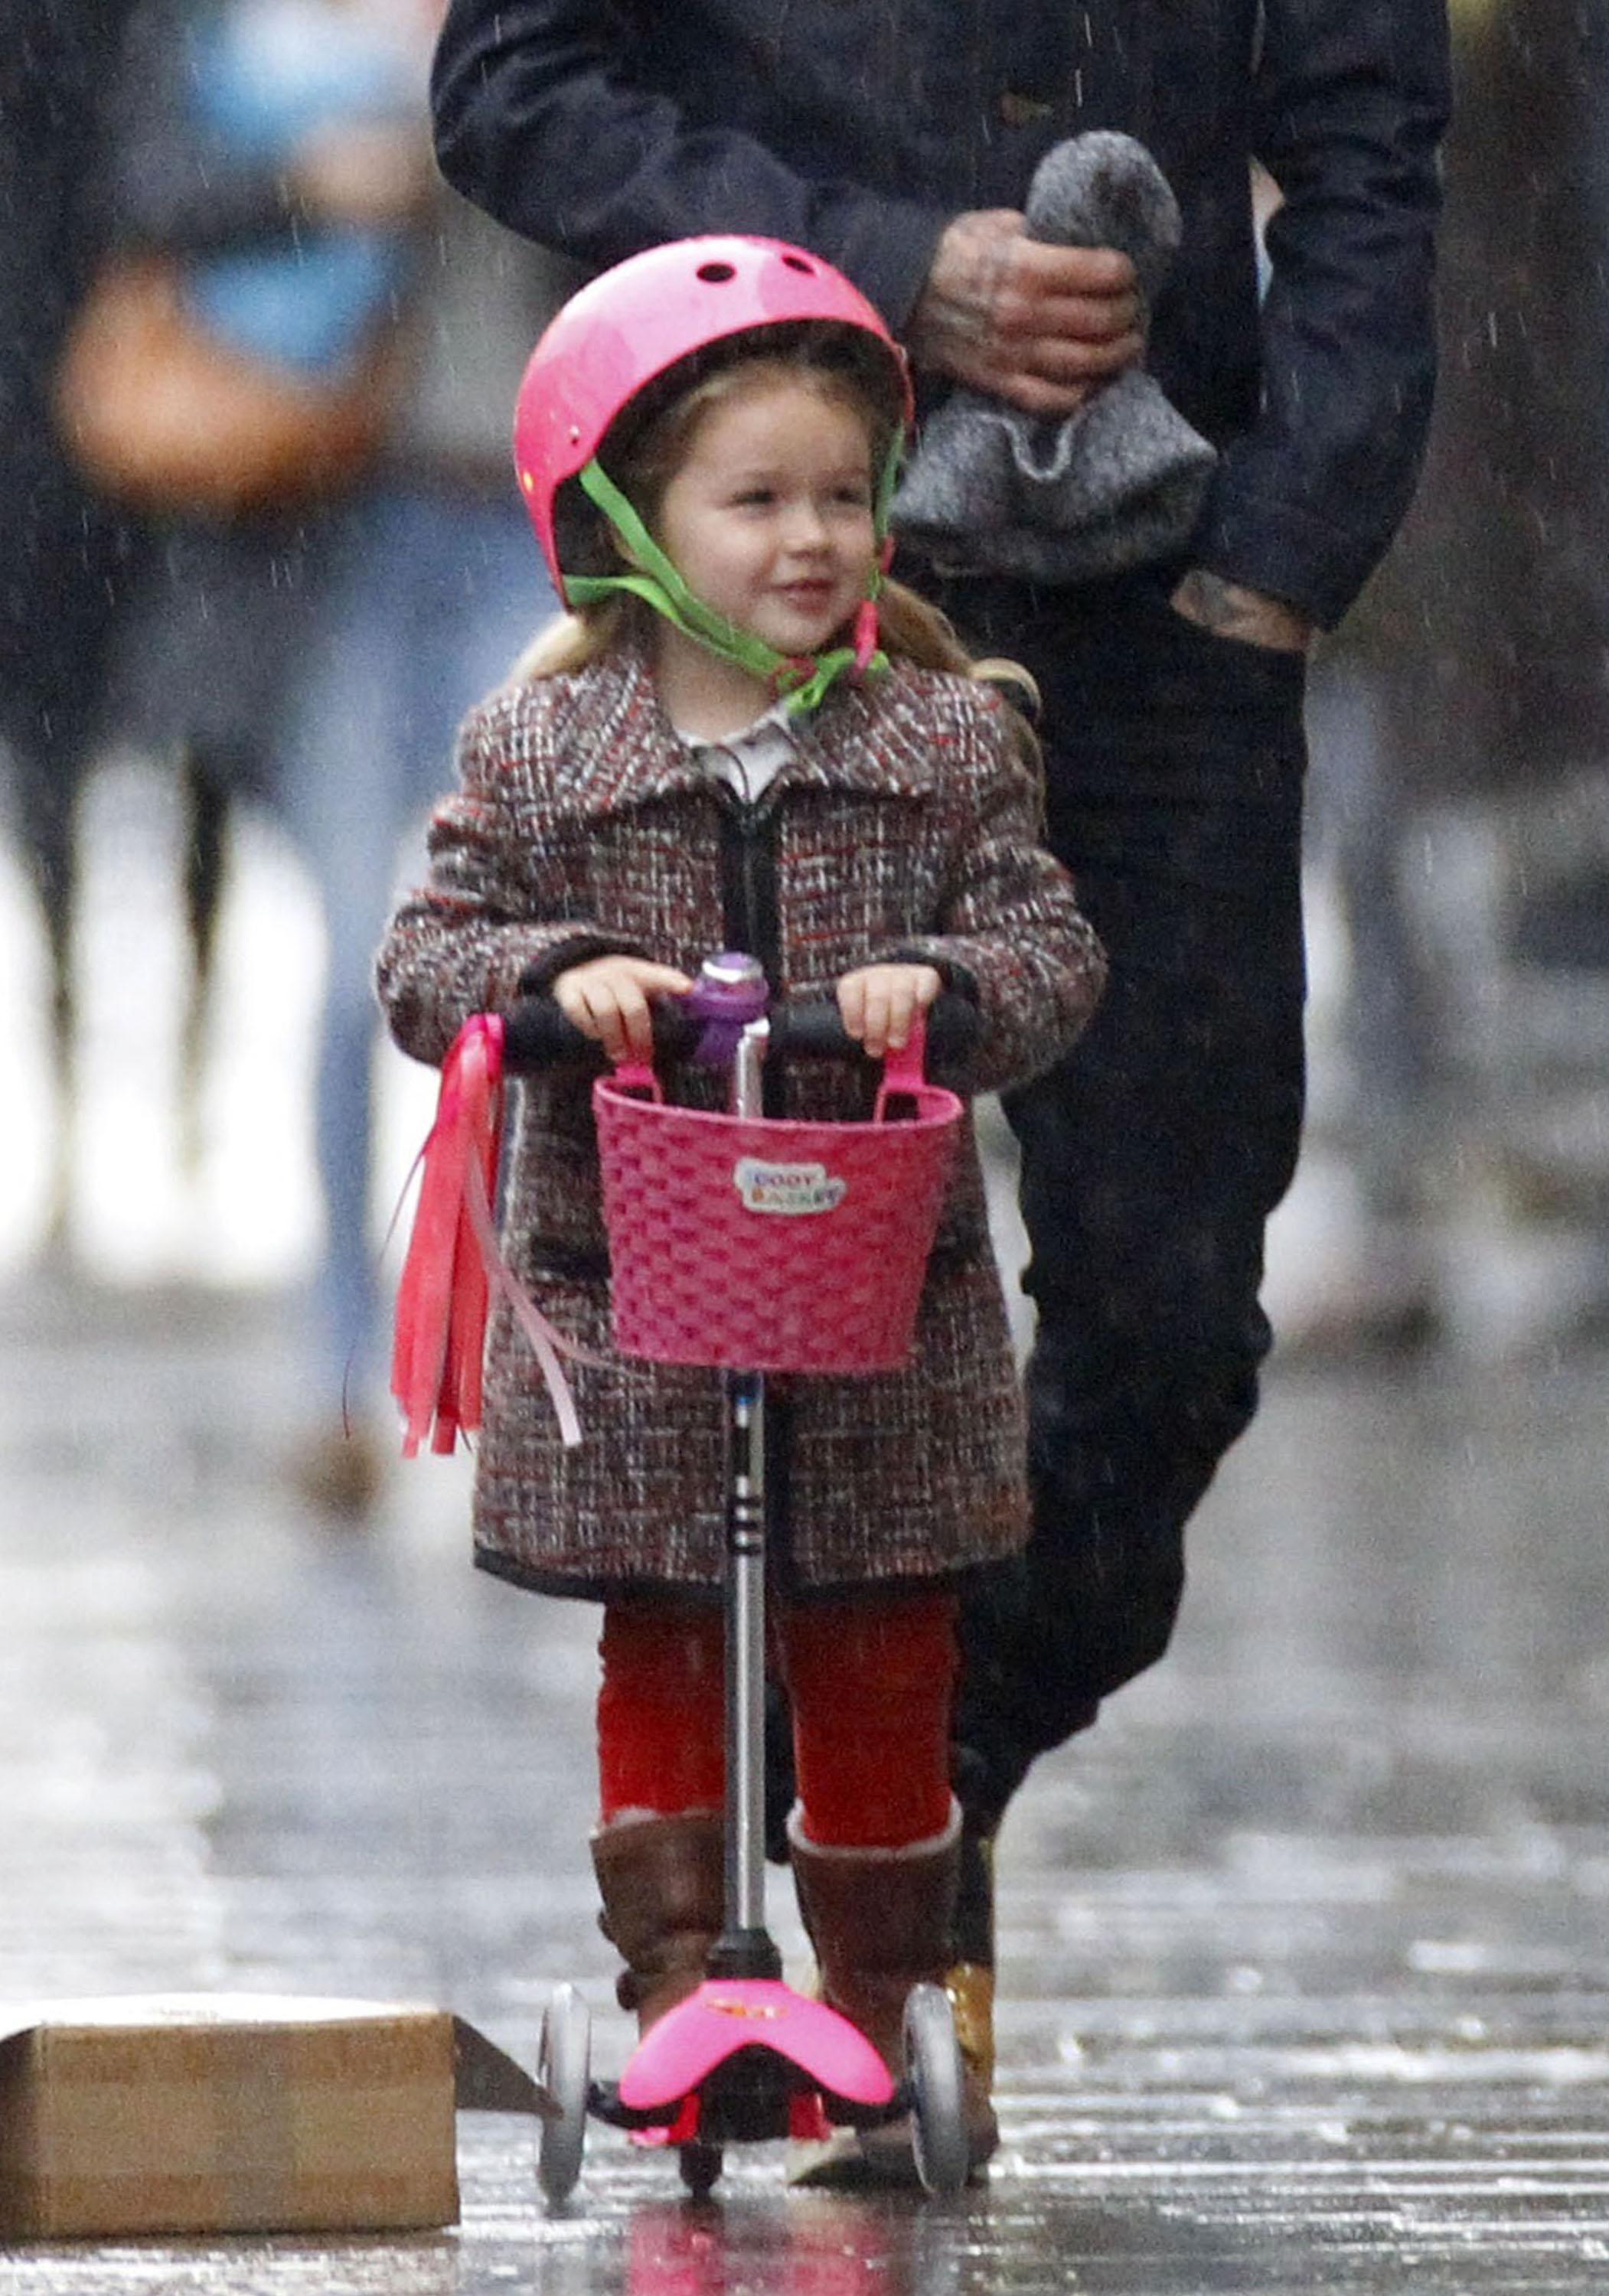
(265, 74)
(434, 593)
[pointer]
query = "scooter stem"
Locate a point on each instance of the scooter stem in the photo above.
(745, 1949)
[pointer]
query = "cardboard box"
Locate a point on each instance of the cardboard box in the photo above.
(208, 2113)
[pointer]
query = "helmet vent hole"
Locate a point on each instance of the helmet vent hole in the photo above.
(716, 274)
(797, 263)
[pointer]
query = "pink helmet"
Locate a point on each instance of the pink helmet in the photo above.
(635, 322)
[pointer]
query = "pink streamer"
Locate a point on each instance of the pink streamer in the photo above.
(453, 1262)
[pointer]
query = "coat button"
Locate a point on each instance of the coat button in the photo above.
(1018, 110)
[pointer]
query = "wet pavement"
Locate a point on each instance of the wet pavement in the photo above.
(1304, 1951)
(1304, 1955)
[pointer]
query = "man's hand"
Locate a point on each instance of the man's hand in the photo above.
(1234, 612)
(1039, 325)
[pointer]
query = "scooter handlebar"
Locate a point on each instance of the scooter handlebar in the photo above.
(538, 1036)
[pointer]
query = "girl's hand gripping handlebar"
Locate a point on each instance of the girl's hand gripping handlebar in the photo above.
(539, 1036)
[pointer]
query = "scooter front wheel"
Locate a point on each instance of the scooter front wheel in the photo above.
(564, 2069)
(701, 2166)
(939, 2106)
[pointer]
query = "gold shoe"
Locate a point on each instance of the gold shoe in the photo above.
(970, 1987)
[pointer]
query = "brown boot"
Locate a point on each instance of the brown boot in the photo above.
(662, 1881)
(881, 1923)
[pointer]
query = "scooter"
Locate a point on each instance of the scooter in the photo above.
(746, 2058)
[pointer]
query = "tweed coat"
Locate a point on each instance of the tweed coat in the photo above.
(904, 824)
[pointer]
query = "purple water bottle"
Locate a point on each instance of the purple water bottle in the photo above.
(729, 993)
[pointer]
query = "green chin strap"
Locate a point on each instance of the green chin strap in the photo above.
(801, 681)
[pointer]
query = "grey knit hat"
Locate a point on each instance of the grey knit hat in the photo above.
(994, 489)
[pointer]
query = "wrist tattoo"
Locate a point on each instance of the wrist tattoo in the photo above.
(1223, 606)
(1233, 611)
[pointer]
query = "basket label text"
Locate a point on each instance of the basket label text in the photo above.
(789, 1188)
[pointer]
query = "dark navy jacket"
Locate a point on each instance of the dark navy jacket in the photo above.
(859, 127)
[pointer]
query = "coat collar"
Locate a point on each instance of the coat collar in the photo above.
(614, 748)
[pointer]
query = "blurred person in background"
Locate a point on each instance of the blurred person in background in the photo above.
(436, 589)
(63, 551)
(1458, 1182)
(315, 657)
(270, 152)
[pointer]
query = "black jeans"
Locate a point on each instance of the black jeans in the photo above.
(1153, 1155)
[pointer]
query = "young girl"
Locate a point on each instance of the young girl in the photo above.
(714, 750)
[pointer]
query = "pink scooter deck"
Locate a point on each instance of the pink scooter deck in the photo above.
(726, 2015)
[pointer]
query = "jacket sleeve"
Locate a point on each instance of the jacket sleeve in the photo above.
(493, 921)
(539, 121)
(1011, 933)
(1351, 99)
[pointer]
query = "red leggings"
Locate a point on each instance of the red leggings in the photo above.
(869, 1682)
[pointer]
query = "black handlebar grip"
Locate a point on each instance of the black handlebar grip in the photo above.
(813, 1030)
(537, 1035)
(955, 1031)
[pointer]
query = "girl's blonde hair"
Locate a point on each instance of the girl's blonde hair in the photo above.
(648, 444)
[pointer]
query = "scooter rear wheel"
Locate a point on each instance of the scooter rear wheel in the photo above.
(565, 2068)
(938, 2112)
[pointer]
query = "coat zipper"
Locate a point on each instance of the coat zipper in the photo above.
(749, 899)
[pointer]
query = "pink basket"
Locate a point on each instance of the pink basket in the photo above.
(767, 1244)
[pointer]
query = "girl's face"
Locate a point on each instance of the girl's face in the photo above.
(769, 516)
